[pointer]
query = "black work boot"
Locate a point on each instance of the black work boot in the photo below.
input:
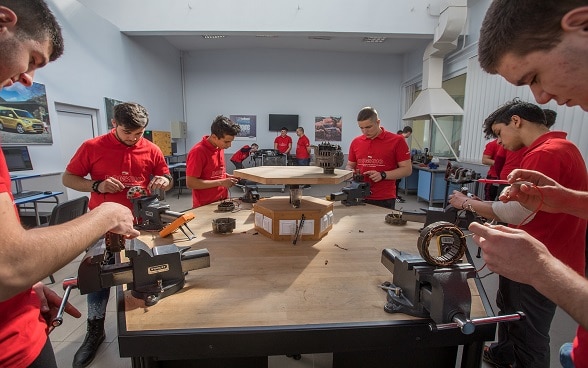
(94, 338)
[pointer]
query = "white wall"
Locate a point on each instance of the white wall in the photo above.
(101, 62)
(260, 82)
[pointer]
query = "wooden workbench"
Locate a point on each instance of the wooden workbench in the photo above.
(262, 297)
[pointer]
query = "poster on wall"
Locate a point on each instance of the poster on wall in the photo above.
(328, 128)
(248, 124)
(24, 116)
(109, 104)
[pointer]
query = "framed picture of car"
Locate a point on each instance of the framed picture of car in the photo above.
(24, 116)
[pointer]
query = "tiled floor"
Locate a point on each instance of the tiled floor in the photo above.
(67, 338)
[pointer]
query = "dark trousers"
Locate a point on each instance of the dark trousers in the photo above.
(387, 203)
(238, 165)
(46, 358)
(525, 342)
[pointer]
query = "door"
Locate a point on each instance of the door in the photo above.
(77, 124)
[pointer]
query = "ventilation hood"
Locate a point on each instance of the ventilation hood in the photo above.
(434, 100)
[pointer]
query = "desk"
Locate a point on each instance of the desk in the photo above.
(262, 297)
(50, 197)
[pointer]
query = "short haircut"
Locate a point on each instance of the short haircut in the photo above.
(283, 128)
(255, 144)
(525, 110)
(367, 113)
(222, 126)
(550, 117)
(521, 27)
(301, 129)
(36, 22)
(407, 129)
(130, 115)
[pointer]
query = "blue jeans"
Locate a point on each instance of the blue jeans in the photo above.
(303, 161)
(565, 355)
(97, 301)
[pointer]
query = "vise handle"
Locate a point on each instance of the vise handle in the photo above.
(467, 326)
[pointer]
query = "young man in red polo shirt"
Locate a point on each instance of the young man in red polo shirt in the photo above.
(206, 172)
(381, 156)
(283, 142)
(244, 152)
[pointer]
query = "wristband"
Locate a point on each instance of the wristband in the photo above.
(463, 205)
(95, 186)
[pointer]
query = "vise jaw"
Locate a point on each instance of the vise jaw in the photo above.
(424, 290)
(150, 273)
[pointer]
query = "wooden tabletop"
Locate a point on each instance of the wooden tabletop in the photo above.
(292, 175)
(255, 281)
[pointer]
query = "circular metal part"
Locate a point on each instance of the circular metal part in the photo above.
(395, 218)
(450, 244)
(114, 242)
(223, 225)
(226, 206)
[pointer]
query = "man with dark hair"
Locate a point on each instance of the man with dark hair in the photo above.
(283, 142)
(29, 38)
(406, 132)
(206, 172)
(519, 125)
(551, 56)
(380, 156)
(238, 157)
(302, 148)
(116, 162)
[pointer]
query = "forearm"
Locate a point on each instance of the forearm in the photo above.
(398, 173)
(28, 256)
(573, 298)
(575, 203)
(77, 182)
(482, 208)
(197, 183)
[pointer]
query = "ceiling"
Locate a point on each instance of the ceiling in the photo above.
(355, 43)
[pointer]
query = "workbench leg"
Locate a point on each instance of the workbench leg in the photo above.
(472, 355)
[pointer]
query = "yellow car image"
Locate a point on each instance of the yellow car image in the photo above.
(20, 121)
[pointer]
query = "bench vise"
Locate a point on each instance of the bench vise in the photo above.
(354, 193)
(150, 273)
(156, 215)
(439, 293)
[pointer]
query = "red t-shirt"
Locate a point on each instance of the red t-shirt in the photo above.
(106, 157)
(506, 161)
(241, 154)
(23, 331)
(382, 153)
(206, 162)
(301, 147)
(558, 158)
(283, 143)
(580, 348)
(490, 150)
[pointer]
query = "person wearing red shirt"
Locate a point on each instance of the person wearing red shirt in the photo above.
(240, 156)
(523, 125)
(115, 162)
(489, 158)
(302, 148)
(381, 156)
(30, 38)
(283, 142)
(205, 165)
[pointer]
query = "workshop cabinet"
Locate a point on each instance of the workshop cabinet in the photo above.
(432, 186)
(410, 183)
(161, 139)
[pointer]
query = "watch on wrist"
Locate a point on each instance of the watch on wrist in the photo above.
(168, 177)
(95, 186)
(383, 174)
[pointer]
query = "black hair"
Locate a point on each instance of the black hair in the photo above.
(222, 126)
(130, 115)
(525, 110)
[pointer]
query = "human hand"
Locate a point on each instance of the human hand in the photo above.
(50, 303)
(512, 253)
(122, 218)
(158, 182)
(228, 182)
(531, 188)
(374, 175)
(111, 185)
(458, 200)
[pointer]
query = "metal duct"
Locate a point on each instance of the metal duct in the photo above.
(434, 100)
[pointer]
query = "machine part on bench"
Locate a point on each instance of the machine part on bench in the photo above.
(223, 225)
(226, 206)
(328, 157)
(156, 215)
(450, 241)
(395, 218)
(353, 194)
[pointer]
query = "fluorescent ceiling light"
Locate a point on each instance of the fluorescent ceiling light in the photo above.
(212, 36)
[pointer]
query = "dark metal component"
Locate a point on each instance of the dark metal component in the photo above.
(477, 322)
(226, 206)
(150, 210)
(451, 243)
(353, 194)
(68, 284)
(223, 225)
(328, 156)
(114, 242)
(441, 293)
(299, 229)
(151, 273)
(251, 193)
